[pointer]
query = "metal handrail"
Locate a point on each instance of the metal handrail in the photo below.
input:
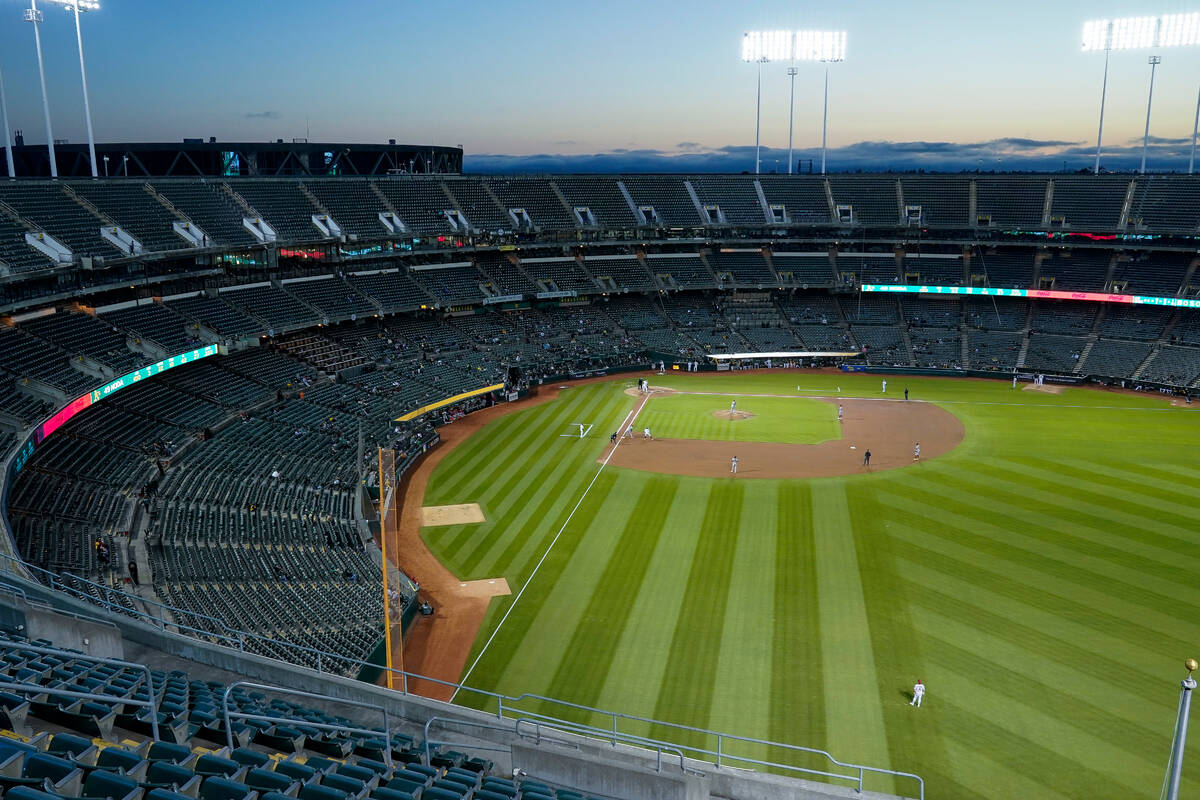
(227, 715)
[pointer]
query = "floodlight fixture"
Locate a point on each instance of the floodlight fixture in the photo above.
(820, 46)
(767, 46)
(77, 6)
(1134, 33)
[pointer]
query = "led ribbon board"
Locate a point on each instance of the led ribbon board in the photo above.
(1038, 294)
(96, 395)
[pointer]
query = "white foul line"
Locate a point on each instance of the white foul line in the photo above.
(629, 418)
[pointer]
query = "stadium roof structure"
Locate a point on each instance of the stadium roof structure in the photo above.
(210, 158)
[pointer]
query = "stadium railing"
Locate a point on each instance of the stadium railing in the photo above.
(504, 707)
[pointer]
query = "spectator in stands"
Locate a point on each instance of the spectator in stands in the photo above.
(133, 571)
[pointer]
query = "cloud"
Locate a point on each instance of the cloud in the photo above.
(1002, 154)
(263, 115)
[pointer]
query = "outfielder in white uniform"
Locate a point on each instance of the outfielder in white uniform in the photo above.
(918, 694)
(733, 465)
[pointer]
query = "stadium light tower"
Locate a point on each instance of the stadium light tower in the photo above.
(1153, 61)
(76, 6)
(8, 153)
(33, 15)
(826, 47)
(1137, 33)
(762, 47)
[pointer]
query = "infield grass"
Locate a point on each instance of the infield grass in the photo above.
(773, 419)
(1041, 579)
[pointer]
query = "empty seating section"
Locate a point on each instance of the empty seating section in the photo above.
(66, 748)
(157, 323)
(1063, 317)
(627, 272)
(943, 201)
(802, 197)
(1166, 202)
(688, 271)
(83, 333)
(543, 206)
(940, 348)
(558, 274)
(996, 314)
(736, 196)
(931, 313)
(451, 284)
(1127, 322)
(324, 354)
(333, 297)
(283, 204)
(1187, 329)
(870, 308)
(50, 208)
(993, 349)
(273, 306)
(881, 344)
(205, 204)
(1054, 353)
(25, 356)
(1011, 202)
(1115, 358)
(352, 204)
(506, 277)
(1077, 270)
(1091, 202)
(672, 204)
(600, 195)
(874, 268)
(215, 314)
(1179, 366)
(391, 289)
(1004, 269)
(746, 268)
(15, 253)
(420, 202)
(24, 408)
(874, 200)
(1153, 273)
(799, 269)
(933, 271)
(136, 210)
(479, 207)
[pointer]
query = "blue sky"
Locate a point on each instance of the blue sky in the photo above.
(529, 86)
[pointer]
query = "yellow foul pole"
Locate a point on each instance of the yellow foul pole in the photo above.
(387, 485)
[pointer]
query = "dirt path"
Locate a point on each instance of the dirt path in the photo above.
(438, 645)
(889, 428)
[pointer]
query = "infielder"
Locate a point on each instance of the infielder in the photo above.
(839, 413)
(917, 452)
(918, 694)
(629, 432)
(884, 390)
(646, 433)
(733, 465)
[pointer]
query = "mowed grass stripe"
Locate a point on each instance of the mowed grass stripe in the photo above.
(797, 682)
(1049, 636)
(640, 661)
(1168, 478)
(509, 638)
(1053, 551)
(853, 712)
(559, 479)
(686, 694)
(592, 648)
(1178, 495)
(978, 500)
(985, 548)
(742, 703)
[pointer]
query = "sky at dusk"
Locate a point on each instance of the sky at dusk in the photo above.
(618, 85)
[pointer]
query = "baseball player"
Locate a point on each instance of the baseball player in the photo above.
(732, 406)
(867, 458)
(581, 430)
(733, 465)
(918, 694)
(917, 451)
(884, 390)
(839, 413)
(905, 392)
(629, 432)
(646, 433)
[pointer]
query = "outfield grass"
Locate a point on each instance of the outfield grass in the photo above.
(1041, 579)
(789, 420)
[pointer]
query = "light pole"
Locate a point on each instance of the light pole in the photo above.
(76, 6)
(762, 47)
(791, 113)
(1153, 61)
(826, 47)
(33, 15)
(1195, 130)
(825, 120)
(758, 119)
(1137, 33)
(106, 166)
(1175, 767)
(125, 165)
(8, 153)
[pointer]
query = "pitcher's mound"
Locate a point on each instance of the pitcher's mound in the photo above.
(463, 514)
(732, 414)
(1048, 389)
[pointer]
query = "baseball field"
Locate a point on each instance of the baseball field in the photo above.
(1036, 569)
